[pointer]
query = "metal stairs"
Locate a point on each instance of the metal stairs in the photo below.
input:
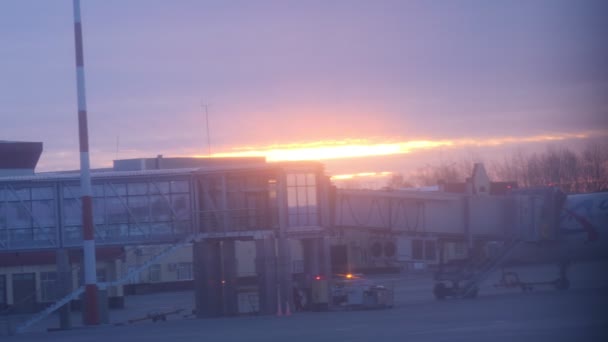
(126, 278)
(153, 260)
(462, 279)
(485, 269)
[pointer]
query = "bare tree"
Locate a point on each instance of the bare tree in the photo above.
(431, 174)
(397, 181)
(572, 172)
(594, 167)
(513, 168)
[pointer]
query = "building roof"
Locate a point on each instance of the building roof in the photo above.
(74, 175)
(19, 155)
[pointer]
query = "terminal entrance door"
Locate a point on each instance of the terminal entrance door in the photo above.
(24, 292)
(3, 303)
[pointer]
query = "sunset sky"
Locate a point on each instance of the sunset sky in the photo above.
(385, 82)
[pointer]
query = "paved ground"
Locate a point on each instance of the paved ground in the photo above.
(498, 315)
(537, 316)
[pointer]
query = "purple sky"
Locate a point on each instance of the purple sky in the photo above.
(299, 71)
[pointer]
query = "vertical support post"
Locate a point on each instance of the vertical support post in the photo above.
(119, 300)
(229, 279)
(326, 261)
(441, 245)
(266, 269)
(327, 210)
(312, 257)
(195, 206)
(467, 225)
(91, 316)
(225, 213)
(64, 286)
(286, 273)
(312, 264)
(284, 262)
(207, 278)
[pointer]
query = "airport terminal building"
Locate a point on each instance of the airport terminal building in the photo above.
(241, 232)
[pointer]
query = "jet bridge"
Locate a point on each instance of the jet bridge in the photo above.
(444, 215)
(490, 226)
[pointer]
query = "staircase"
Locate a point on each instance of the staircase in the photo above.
(462, 280)
(126, 278)
(132, 275)
(486, 268)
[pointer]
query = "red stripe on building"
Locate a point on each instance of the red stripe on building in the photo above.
(83, 131)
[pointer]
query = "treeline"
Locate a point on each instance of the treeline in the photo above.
(573, 171)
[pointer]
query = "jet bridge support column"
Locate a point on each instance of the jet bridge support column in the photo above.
(312, 259)
(229, 279)
(64, 286)
(467, 225)
(285, 274)
(316, 263)
(207, 278)
(325, 247)
(266, 269)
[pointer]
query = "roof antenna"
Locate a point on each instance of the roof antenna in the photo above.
(206, 107)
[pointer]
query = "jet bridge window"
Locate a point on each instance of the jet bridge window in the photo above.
(27, 215)
(134, 209)
(302, 199)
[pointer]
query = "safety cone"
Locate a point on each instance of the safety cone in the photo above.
(279, 310)
(287, 310)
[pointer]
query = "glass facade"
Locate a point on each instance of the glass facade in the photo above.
(238, 202)
(28, 216)
(46, 212)
(130, 210)
(302, 199)
(124, 211)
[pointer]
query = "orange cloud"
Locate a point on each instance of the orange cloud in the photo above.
(356, 148)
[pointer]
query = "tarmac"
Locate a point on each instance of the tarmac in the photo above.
(497, 314)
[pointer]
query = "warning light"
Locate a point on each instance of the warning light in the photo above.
(349, 276)
(223, 282)
(318, 278)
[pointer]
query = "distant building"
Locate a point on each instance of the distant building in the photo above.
(478, 184)
(142, 207)
(19, 158)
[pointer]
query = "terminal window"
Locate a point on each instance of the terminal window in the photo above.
(184, 271)
(302, 199)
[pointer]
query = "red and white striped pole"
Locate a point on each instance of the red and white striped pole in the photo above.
(91, 315)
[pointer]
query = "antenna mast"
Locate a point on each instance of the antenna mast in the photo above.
(205, 106)
(91, 315)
